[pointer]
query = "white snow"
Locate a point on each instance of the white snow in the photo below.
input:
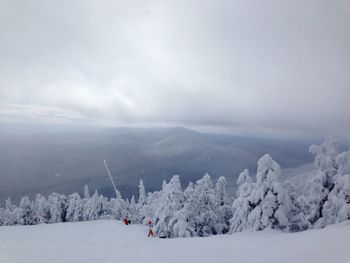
(110, 241)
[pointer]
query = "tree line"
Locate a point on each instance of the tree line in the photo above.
(203, 208)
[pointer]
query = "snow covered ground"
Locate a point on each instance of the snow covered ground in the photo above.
(110, 241)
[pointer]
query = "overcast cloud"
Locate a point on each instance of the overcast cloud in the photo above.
(277, 67)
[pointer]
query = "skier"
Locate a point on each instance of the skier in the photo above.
(126, 221)
(150, 231)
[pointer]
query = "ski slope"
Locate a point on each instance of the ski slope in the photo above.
(106, 241)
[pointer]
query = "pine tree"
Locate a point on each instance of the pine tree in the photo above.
(97, 205)
(2, 215)
(26, 211)
(202, 207)
(264, 204)
(269, 200)
(118, 206)
(241, 206)
(299, 208)
(223, 206)
(324, 181)
(132, 210)
(11, 214)
(337, 207)
(148, 210)
(86, 192)
(41, 210)
(142, 194)
(167, 214)
(74, 208)
(88, 211)
(179, 224)
(57, 208)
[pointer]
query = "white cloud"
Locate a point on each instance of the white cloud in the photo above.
(253, 66)
(36, 112)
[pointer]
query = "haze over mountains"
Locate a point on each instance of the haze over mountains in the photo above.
(61, 158)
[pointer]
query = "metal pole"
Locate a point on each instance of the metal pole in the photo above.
(110, 176)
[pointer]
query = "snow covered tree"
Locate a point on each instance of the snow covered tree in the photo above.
(223, 206)
(148, 210)
(74, 208)
(11, 214)
(118, 207)
(337, 207)
(57, 208)
(88, 209)
(220, 191)
(142, 194)
(269, 200)
(244, 177)
(143, 208)
(105, 210)
(324, 181)
(100, 205)
(265, 204)
(169, 221)
(324, 198)
(190, 208)
(202, 208)
(86, 192)
(93, 207)
(189, 191)
(241, 206)
(147, 206)
(132, 211)
(299, 208)
(179, 224)
(41, 210)
(2, 215)
(26, 211)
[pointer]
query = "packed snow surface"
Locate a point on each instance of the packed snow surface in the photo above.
(110, 241)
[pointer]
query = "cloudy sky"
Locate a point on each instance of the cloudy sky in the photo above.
(269, 67)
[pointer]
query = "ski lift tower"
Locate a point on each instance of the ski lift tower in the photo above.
(110, 176)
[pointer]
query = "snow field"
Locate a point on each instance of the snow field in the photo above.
(110, 241)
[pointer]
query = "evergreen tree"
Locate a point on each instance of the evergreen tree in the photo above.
(337, 207)
(88, 211)
(132, 210)
(223, 206)
(299, 208)
(167, 214)
(2, 215)
(142, 194)
(269, 200)
(11, 214)
(324, 181)
(56, 208)
(41, 210)
(99, 205)
(86, 192)
(148, 210)
(74, 208)
(202, 207)
(241, 206)
(265, 204)
(119, 208)
(26, 211)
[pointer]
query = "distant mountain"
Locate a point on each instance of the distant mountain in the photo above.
(51, 158)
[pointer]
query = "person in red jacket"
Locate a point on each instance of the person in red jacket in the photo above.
(126, 221)
(150, 231)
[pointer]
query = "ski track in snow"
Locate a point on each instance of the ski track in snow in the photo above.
(110, 241)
